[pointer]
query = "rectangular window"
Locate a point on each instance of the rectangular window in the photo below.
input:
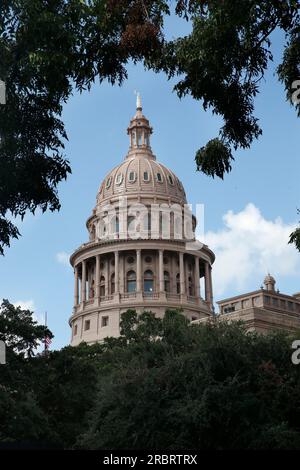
(139, 138)
(132, 176)
(229, 309)
(87, 325)
(133, 138)
(104, 321)
(75, 330)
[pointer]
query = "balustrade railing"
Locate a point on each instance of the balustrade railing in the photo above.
(128, 295)
(171, 296)
(105, 298)
(191, 298)
(151, 295)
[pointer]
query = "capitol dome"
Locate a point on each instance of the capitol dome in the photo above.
(141, 172)
(142, 252)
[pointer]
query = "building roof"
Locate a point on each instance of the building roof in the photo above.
(140, 173)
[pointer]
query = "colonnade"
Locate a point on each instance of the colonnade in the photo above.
(82, 277)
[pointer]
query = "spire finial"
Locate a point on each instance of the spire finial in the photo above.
(138, 101)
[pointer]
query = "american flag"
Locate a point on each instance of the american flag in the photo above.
(47, 342)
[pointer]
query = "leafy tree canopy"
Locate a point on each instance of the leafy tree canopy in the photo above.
(163, 384)
(49, 48)
(19, 331)
(21, 417)
(210, 386)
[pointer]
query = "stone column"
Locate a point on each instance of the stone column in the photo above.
(76, 292)
(187, 284)
(83, 282)
(107, 276)
(197, 278)
(182, 279)
(173, 274)
(138, 271)
(122, 273)
(211, 289)
(161, 270)
(117, 288)
(97, 278)
(87, 295)
(208, 286)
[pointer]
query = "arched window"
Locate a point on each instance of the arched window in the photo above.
(119, 179)
(131, 223)
(101, 228)
(115, 226)
(132, 176)
(148, 281)
(159, 177)
(178, 283)
(131, 281)
(147, 220)
(93, 233)
(102, 286)
(171, 181)
(167, 281)
(112, 283)
(178, 226)
(191, 286)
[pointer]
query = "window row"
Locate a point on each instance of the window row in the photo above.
(132, 177)
(167, 224)
(149, 282)
(140, 137)
(87, 324)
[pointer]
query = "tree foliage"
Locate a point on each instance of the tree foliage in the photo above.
(163, 384)
(204, 387)
(21, 417)
(20, 332)
(295, 237)
(49, 48)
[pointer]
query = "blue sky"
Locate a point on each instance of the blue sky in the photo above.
(248, 216)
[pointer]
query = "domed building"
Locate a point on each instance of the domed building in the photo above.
(142, 252)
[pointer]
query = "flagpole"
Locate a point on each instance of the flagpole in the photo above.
(45, 342)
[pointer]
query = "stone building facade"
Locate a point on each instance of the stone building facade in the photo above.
(141, 252)
(263, 310)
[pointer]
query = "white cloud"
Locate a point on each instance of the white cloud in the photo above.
(248, 248)
(63, 258)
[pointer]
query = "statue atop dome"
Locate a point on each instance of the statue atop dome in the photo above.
(138, 102)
